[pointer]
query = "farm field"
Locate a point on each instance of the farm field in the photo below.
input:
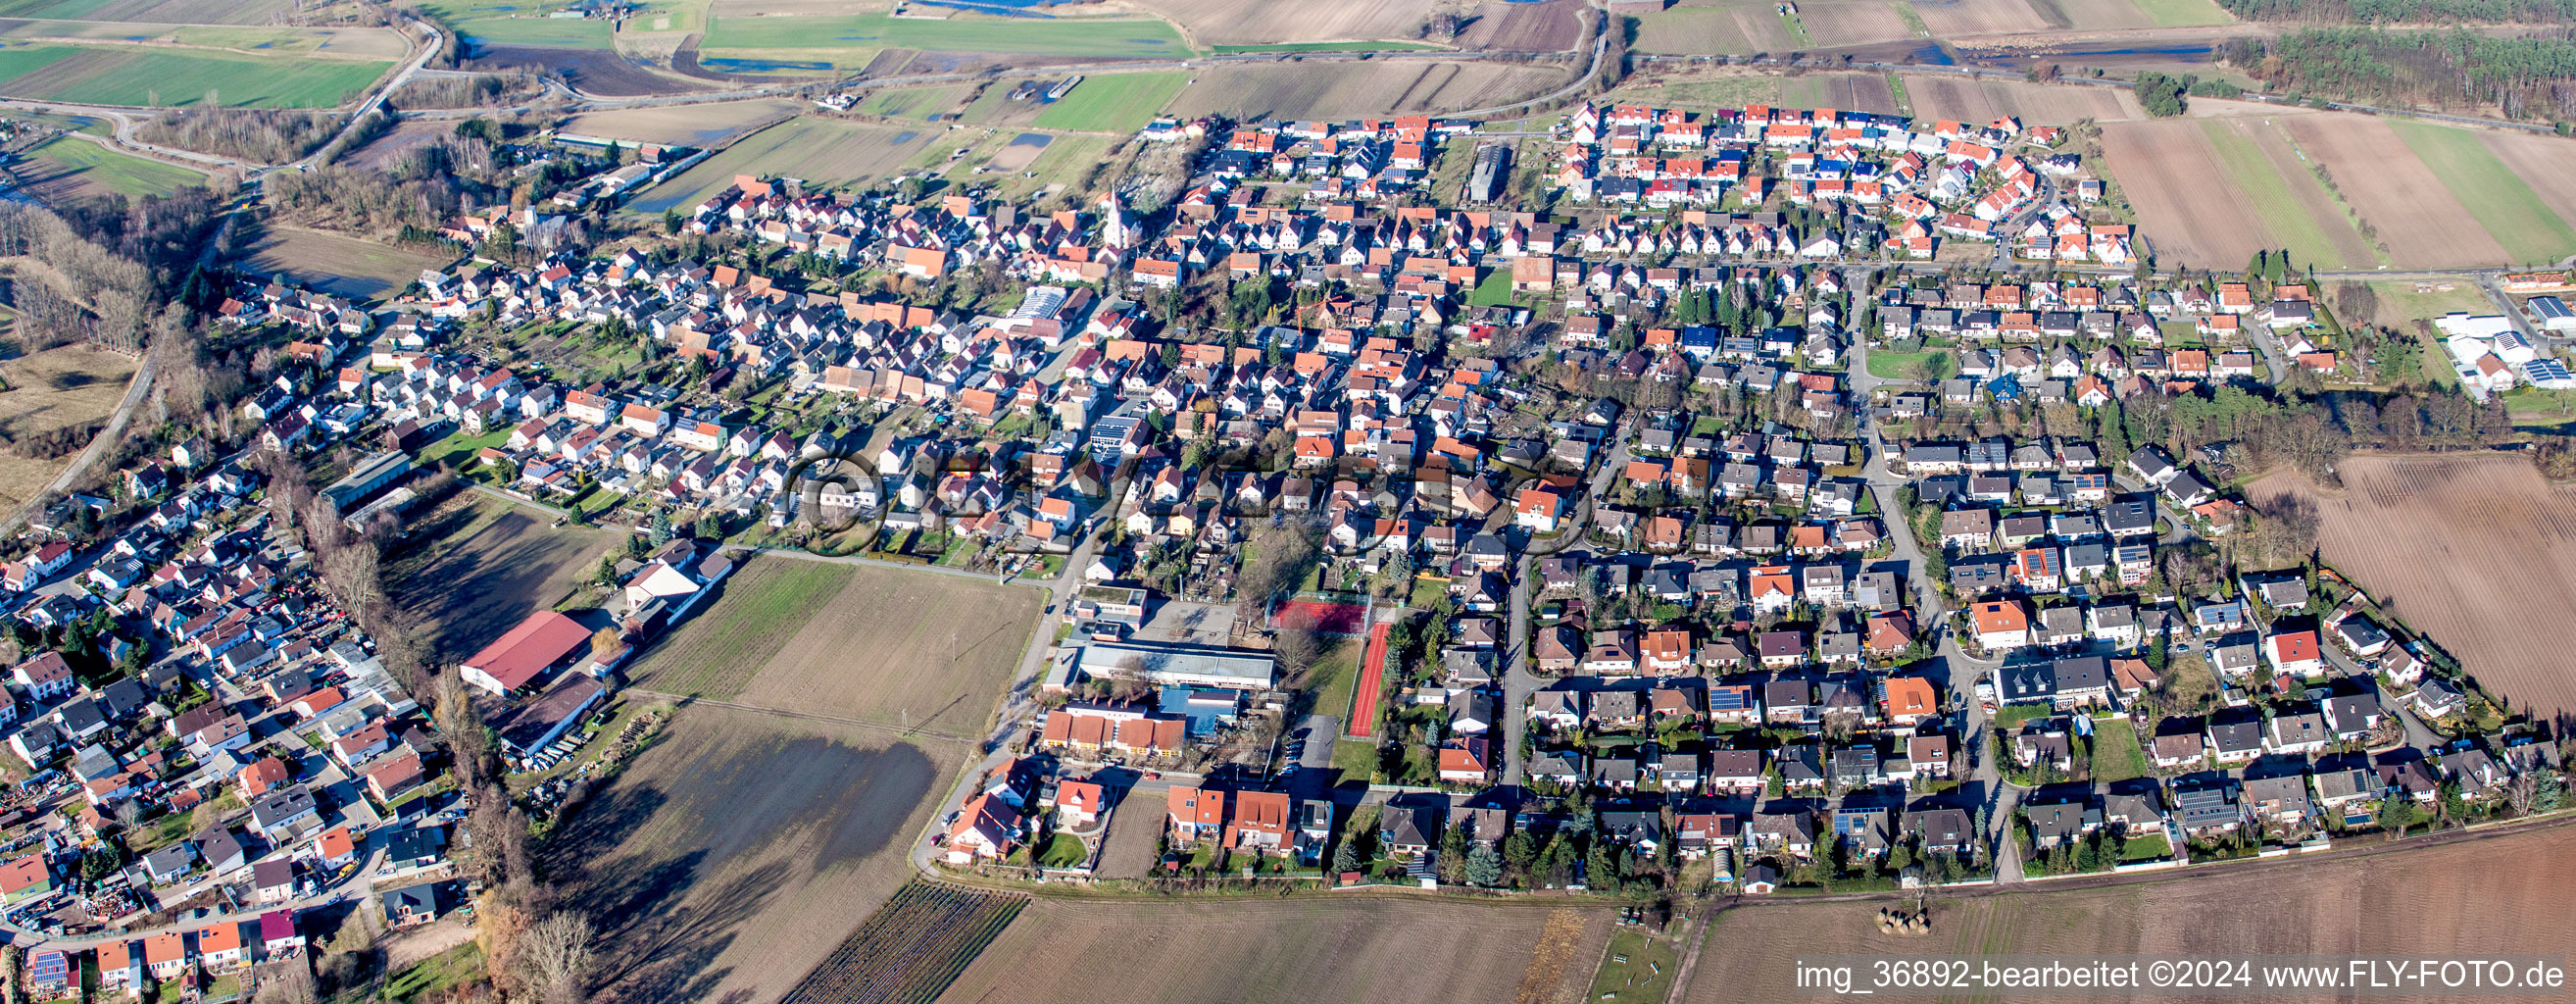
(476, 566)
(893, 646)
(2166, 169)
(1957, 18)
(1371, 88)
(731, 635)
(48, 390)
(1945, 97)
(820, 151)
(689, 125)
(1866, 92)
(2484, 566)
(915, 102)
(909, 950)
(1836, 23)
(905, 648)
(1304, 949)
(1522, 26)
(1113, 102)
(2541, 162)
(2296, 211)
(2496, 197)
(729, 34)
(2429, 901)
(597, 71)
(2407, 204)
(75, 167)
(584, 33)
(1230, 22)
(342, 265)
(160, 11)
(736, 853)
(132, 75)
(1734, 29)
(376, 43)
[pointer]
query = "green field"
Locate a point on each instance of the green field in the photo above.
(1330, 47)
(2398, 301)
(2497, 197)
(130, 76)
(562, 33)
(2116, 753)
(962, 33)
(2273, 200)
(913, 102)
(2182, 13)
(1494, 291)
(714, 652)
(1647, 973)
(123, 172)
(1121, 102)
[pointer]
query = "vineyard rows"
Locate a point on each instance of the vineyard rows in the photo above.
(910, 949)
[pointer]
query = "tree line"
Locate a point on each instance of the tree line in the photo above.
(2523, 78)
(2404, 11)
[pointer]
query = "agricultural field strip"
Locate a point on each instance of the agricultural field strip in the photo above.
(2495, 196)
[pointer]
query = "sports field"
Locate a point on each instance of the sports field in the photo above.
(1120, 102)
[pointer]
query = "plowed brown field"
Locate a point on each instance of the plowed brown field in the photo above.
(1944, 97)
(2485, 897)
(2476, 550)
(2423, 225)
(1550, 26)
(1353, 89)
(2167, 170)
(1286, 951)
(1954, 18)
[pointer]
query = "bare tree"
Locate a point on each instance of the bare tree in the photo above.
(556, 954)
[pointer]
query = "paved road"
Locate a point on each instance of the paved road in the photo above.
(1961, 672)
(1519, 682)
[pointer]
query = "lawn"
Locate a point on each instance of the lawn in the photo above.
(1887, 365)
(458, 449)
(2182, 13)
(1355, 758)
(558, 33)
(1121, 102)
(2116, 753)
(1496, 290)
(2145, 847)
(123, 172)
(1064, 851)
(961, 33)
(1336, 675)
(431, 978)
(2498, 198)
(2528, 405)
(1636, 968)
(2273, 200)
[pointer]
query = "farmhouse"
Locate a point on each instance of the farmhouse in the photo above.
(545, 641)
